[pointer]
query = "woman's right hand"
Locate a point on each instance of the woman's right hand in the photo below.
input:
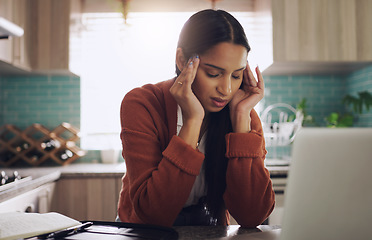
(192, 110)
(181, 90)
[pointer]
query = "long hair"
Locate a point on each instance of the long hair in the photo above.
(201, 32)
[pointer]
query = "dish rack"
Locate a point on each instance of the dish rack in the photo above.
(37, 144)
(280, 123)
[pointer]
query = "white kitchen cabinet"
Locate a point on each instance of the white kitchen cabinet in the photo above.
(37, 200)
(320, 36)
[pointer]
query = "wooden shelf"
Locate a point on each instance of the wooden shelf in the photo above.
(37, 144)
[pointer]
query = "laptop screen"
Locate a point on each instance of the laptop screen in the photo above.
(329, 191)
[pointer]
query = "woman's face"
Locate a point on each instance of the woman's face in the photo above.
(219, 75)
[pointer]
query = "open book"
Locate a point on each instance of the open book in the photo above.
(15, 225)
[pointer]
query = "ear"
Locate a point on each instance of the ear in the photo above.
(180, 59)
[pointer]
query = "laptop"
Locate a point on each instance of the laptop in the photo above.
(329, 188)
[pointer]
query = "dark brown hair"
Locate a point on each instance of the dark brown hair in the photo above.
(206, 29)
(202, 31)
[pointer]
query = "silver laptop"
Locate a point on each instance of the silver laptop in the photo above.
(329, 188)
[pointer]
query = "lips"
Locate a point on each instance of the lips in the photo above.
(218, 102)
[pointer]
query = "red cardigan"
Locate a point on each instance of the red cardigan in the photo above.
(161, 167)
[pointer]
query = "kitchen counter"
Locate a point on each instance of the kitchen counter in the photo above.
(42, 175)
(37, 179)
(99, 169)
(92, 170)
(262, 232)
(81, 169)
(90, 191)
(227, 232)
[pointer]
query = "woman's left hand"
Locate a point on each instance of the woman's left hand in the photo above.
(245, 99)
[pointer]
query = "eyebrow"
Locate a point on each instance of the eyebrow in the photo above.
(222, 69)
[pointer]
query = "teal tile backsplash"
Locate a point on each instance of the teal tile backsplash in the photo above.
(323, 93)
(50, 100)
(357, 82)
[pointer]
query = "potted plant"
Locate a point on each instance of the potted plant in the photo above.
(364, 99)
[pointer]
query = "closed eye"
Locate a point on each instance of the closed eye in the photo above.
(212, 75)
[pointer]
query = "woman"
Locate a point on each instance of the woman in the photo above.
(193, 145)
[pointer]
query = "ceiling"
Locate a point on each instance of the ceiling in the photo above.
(174, 5)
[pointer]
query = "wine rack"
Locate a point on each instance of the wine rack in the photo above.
(37, 144)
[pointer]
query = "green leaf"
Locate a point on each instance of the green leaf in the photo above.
(302, 105)
(364, 99)
(333, 118)
(346, 121)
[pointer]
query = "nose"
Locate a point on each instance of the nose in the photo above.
(224, 86)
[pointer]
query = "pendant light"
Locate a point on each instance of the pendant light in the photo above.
(213, 3)
(125, 9)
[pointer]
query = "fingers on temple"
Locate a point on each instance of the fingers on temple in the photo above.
(260, 80)
(251, 79)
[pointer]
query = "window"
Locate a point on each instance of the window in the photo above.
(112, 58)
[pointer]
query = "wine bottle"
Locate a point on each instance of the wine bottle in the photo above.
(34, 155)
(15, 177)
(50, 144)
(3, 178)
(66, 154)
(22, 146)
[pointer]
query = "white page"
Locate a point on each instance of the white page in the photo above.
(15, 225)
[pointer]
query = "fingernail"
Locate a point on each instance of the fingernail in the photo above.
(197, 56)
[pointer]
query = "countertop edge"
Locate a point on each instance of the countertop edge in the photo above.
(28, 186)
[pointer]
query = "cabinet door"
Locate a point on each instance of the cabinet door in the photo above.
(322, 30)
(45, 43)
(20, 56)
(50, 34)
(92, 198)
(363, 30)
(6, 44)
(14, 50)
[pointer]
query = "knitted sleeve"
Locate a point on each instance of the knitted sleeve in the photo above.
(249, 196)
(160, 171)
